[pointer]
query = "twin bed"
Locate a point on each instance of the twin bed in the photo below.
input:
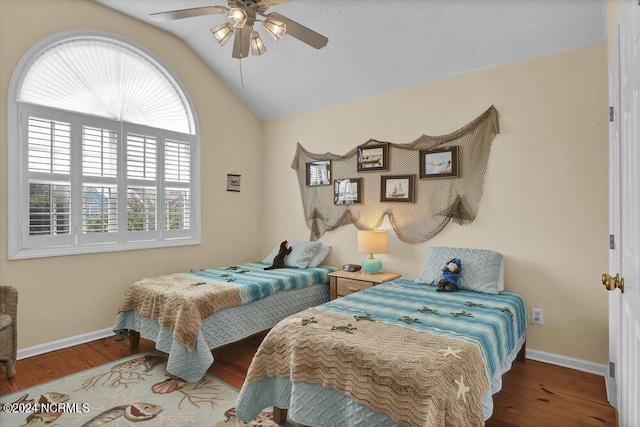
(189, 314)
(399, 353)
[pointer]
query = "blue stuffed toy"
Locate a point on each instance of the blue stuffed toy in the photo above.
(450, 275)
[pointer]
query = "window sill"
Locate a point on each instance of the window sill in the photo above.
(100, 248)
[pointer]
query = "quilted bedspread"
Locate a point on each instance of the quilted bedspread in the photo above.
(402, 349)
(180, 301)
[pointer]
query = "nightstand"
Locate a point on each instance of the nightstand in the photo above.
(343, 283)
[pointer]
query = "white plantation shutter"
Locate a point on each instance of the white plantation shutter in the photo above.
(142, 189)
(49, 171)
(99, 180)
(107, 149)
(177, 176)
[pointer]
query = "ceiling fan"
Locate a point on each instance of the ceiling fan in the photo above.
(242, 16)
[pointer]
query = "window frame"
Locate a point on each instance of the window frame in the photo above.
(20, 244)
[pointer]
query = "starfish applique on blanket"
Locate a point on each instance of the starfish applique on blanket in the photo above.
(449, 351)
(462, 389)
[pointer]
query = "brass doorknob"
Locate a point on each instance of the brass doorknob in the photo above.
(613, 282)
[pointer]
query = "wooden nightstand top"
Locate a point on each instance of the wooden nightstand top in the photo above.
(380, 277)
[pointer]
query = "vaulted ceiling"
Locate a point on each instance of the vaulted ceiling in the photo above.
(377, 46)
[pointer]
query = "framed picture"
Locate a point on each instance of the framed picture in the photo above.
(347, 191)
(397, 188)
(319, 173)
(373, 157)
(233, 182)
(440, 163)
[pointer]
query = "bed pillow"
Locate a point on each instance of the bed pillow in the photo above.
(480, 268)
(320, 255)
(301, 253)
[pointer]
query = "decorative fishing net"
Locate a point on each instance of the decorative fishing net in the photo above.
(437, 199)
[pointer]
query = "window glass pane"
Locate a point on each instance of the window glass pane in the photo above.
(49, 146)
(177, 209)
(141, 209)
(49, 209)
(99, 209)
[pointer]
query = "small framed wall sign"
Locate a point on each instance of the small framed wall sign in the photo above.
(347, 191)
(373, 157)
(233, 182)
(439, 163)
(397, 188)
(319, 173)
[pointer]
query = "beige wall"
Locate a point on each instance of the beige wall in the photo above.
(64, 296)
(545, 200)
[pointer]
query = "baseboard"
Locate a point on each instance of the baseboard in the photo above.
(63, 343)
(568, 362)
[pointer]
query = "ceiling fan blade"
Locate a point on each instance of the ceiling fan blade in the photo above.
(270, 2)
(301, 32)
(187, 13)
(241, 42)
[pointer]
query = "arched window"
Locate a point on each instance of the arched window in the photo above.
(103, 150)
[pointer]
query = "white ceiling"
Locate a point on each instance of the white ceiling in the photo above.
(377, 46)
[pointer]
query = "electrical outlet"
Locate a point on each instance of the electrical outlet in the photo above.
(536, 316)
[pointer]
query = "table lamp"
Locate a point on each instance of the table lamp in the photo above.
(372, 242)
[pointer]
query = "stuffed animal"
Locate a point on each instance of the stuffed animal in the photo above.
(450, 275)
(278, 260)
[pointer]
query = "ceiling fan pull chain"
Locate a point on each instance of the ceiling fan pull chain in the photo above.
(241, 79)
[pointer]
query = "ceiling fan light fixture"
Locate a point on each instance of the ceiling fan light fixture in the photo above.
(257, 47)
(237, 17)
(277, 29)
(222, 33)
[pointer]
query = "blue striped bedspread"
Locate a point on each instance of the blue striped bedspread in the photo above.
(253, 283)
(398, 332)
(180, 302)
(495, 323)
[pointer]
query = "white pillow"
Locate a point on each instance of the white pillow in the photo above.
(320, 255)
(480, 268)
(301, 253)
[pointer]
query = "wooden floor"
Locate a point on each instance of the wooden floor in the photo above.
(533, 393)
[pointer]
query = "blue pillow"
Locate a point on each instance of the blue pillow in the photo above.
(319, 256)
(302, 252)
(480, 268)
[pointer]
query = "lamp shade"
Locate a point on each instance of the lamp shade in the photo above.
(372, 242)
(222, 33)
(257, 47)
(277, 29)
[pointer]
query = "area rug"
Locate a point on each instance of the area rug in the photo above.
(136, 391)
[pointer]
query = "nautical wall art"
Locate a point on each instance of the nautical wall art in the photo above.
(421, 186)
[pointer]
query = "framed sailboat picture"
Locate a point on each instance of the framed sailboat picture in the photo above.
(440, 163)
(347, 191)
(397, 188)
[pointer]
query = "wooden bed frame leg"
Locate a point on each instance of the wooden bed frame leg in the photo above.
(134, 340)
(522, 353)
(279, 415)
